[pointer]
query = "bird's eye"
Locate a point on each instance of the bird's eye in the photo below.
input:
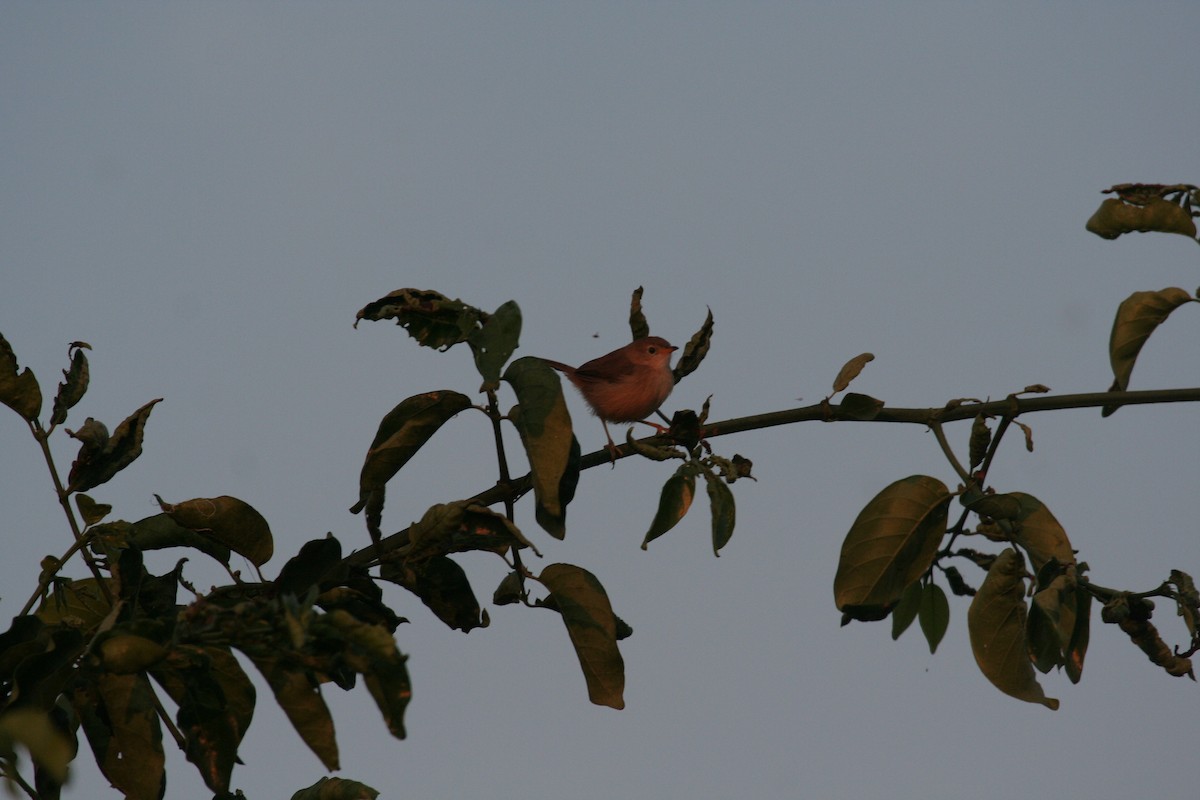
(651, 349)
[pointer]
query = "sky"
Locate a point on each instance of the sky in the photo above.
(208, 192)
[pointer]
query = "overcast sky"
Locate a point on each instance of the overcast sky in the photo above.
(208, 192)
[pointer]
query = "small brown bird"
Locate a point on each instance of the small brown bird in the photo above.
(628, 384)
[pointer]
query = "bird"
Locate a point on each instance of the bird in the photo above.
(626, 385)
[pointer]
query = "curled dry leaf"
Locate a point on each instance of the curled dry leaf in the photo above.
(850, 371)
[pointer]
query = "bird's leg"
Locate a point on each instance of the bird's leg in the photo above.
(660, 429)
(612, 448)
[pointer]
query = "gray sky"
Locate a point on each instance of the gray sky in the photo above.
(208, 192)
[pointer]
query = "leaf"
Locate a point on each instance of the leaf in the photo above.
(1143, 634)
(1115, 217)
(1058, 625)
(494, 343)
(18, 391)
(159, 532)
(45, 668)
(890, 545)
(637, 319)
(996, 623)
(100, 456)
(981, 438)
(216, 703)
(77, 604)
(316, 560)
(859, 407)
(1039, 533)
(117, 714)
(695, 350)
(372, 652)
(850, 370)
(336, 789)
(442, 586)
(1137, 317)
(1187, 600)
(300, 698)
(227, 520)
(402, 432)
(723, 508)
(75, 384)
(673, 502)
(544, 424)
(460, 527)
(33, 729)
(934, 615)
(906, 610)
(128, 653)
(91, 511)
(433, 319)
(592, 626)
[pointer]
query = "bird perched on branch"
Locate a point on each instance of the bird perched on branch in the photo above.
(628, 384)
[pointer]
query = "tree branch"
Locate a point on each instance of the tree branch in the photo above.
(1011, 407)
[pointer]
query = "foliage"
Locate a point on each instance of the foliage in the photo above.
(101, 651)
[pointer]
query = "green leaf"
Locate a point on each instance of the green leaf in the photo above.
(91, 511)
(906, 610)
(860, 407)
(592, 626)
(1138, 316)
(723, 508)
(77, 604)
(431, 318)
(127, 653)
(45, 667)
(460, 527)
(934, 615)
(544, 424)
(1039, 533)
(442, 585)
(1058, 627)
(890, 545)
(18, 390)
(372, 652)
(300, 698)
(159, 532)
(494, 343)
(118, 716)
(228, 521)
(33, 729)
(75, 383)
(996, 622)
(101, 456)
(1115, 217)
(402, 432)
(673, 502)
(317, 560)
(216, 703)
(695, 350)
(336, 789)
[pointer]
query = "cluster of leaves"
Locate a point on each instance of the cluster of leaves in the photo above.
(99, 653)
(903, 537)
(419, 558)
